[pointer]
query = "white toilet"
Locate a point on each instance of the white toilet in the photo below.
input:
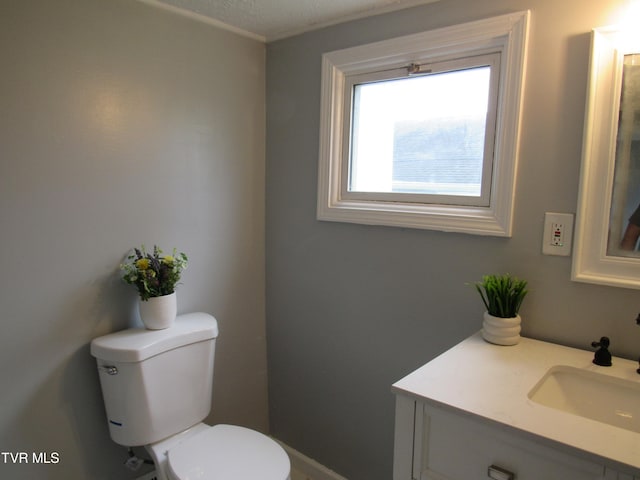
(157, 387)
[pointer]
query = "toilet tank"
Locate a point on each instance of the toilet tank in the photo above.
(156, 383)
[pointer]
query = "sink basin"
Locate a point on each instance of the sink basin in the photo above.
(591, 395)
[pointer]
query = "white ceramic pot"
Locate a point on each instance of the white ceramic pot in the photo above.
(158, 313)
(501, 331)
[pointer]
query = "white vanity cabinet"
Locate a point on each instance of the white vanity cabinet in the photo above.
(435, 444)
(466, 416)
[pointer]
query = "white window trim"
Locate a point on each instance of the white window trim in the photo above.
(506, 34)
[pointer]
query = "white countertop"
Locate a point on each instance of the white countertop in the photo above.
(492, 382)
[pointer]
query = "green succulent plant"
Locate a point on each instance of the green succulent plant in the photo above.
(502, 294)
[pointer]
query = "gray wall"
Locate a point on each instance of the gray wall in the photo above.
(351, 308)
(121, 124)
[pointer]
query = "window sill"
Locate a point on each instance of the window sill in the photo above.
(446, 218)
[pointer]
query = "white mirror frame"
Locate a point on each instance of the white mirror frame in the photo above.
(591, 263)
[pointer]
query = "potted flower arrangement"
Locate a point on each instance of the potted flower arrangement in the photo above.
(155, 276)
(502, 295)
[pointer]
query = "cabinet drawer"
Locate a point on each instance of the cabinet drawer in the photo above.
(454, 447)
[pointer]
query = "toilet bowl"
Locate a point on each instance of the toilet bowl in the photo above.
(220, 452)
(157, 386)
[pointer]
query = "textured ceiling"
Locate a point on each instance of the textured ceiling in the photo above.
(274, 19)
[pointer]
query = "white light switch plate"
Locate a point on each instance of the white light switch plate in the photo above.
(558, 234)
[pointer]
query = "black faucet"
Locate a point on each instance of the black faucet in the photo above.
(602, 356)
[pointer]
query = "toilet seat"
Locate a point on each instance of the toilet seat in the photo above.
(228, 452)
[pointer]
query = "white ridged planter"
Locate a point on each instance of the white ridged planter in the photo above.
(501, 331)
(159, 313)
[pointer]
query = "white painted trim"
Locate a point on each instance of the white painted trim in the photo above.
(148, 476)
(292, 31)
(392, 7)
(507, 34)
(309, 468)
(203, 19)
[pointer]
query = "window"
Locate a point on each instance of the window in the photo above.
(423, 134)
(422, 131)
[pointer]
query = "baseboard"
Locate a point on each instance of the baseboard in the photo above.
(309, 468)
(148, 476)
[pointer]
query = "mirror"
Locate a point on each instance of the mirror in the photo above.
(624, 221)
(608, 217)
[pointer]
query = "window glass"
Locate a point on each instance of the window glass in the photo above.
(420, 135)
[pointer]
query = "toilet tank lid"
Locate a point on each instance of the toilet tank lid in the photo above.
(137, 344)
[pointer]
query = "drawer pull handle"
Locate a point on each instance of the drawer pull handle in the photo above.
(498, 473)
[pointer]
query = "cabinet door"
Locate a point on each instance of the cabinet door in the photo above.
(456, 447)
(610, 474)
